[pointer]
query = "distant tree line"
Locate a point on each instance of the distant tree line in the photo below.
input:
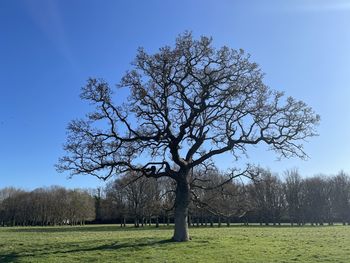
(268, 199)
(217, 199)
(45, 206)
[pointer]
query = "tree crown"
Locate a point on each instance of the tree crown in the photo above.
(187, 104)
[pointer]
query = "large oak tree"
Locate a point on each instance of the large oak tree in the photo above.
(187, 104)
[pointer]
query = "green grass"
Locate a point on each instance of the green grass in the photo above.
(235, 244)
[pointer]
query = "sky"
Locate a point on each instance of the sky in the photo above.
(49, 48)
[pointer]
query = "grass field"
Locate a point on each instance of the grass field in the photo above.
(107, 243)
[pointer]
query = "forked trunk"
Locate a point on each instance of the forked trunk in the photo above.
(182, 201)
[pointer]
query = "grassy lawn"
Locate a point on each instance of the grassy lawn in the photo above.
(107, 243)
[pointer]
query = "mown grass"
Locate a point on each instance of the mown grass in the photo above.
(109, 243)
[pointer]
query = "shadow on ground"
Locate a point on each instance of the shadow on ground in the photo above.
(116, 246)
(81, 248)
(9, 258)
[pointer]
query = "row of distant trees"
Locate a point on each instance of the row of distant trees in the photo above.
(315, 200)
(267, 199)
(45, 206)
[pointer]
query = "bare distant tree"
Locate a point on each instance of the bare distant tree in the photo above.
(219, 195)
(293, 189)
(187, 104)
(316, 199)
(340, 197)
(115, 204)
(136, 190)
(267, 194)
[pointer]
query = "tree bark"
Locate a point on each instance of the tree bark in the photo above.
(182, 201)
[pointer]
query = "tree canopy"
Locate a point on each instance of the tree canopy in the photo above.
(184, 99)
(187, 104)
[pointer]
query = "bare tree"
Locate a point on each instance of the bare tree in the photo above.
(293, 190)
(187, 104)
(219, 195)
(115, 203)
(340, 197)
(316, 199)
(267, 194)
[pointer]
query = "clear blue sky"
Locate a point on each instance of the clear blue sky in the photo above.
(49, 48)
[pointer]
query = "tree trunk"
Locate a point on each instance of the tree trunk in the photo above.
(182, 201)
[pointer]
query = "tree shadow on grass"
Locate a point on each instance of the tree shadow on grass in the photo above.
(114, 246)
(124, 245)
(106, 247)
(9, 258)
